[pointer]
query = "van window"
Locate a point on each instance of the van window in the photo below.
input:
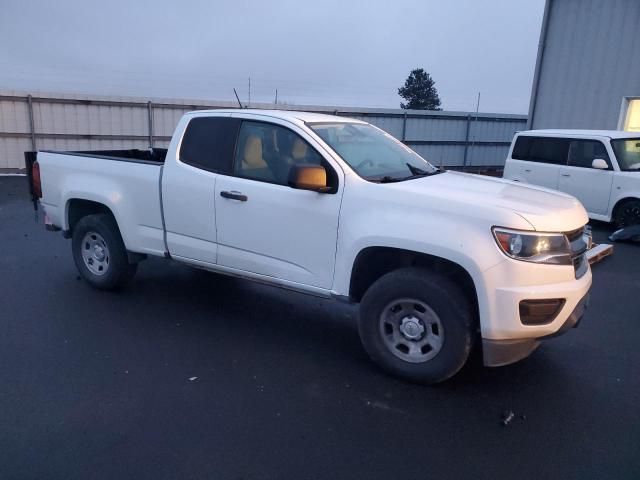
(582, 153)
(628, 153)
(541, 149)
(209, 142)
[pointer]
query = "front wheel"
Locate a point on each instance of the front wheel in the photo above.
(417, 325)
(627, 214)
(99, 252)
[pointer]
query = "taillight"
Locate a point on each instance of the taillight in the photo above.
(35, 180)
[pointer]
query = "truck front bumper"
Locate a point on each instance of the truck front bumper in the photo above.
(513, 315)
(503, 352)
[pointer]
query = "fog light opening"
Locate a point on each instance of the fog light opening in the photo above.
(540, 312)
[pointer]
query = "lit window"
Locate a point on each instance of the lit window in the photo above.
(632, 122)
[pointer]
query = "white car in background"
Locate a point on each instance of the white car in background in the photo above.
(601, 168)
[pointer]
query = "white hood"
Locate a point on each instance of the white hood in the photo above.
(546, 210)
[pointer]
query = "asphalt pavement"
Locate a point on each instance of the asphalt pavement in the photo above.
(188, 374)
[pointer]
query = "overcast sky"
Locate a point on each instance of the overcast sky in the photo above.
(329, 52)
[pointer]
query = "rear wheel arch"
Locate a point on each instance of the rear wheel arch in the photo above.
(78, 208)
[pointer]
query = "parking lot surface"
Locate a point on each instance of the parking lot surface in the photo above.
(187, 374)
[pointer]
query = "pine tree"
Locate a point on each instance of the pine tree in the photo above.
(420, 92)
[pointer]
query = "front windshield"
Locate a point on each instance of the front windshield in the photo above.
(627, 152)
(373, 154)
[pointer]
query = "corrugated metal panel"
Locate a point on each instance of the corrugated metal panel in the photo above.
(14, 116)
(165, 120)
(100, 117)
(436, 129)
(589, 63)
(12, 152)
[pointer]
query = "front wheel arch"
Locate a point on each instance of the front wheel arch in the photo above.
(619, 206)
(372, 263)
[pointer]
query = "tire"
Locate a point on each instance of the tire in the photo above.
(413, 307)
(99, 252)
(627, 214)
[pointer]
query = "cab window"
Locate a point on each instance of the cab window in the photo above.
(266, 152)
(208, 143)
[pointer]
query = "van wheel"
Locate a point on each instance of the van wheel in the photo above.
(627, 214)
(417, 325)
(99, 252)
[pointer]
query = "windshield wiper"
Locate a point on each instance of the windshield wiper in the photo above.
(390, 179)
(418, 172)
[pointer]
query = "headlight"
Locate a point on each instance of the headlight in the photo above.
(551, 248)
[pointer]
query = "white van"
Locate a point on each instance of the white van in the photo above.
(601, 168)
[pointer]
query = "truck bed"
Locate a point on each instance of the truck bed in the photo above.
(127, 182)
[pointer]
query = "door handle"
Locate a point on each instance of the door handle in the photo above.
(528, 170)
(565, 174)
(234, 196)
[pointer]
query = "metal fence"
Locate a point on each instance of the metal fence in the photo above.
(75, 122)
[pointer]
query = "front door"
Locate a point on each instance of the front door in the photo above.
(590, 185)
(266, 227)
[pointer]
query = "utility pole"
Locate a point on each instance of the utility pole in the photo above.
(249, 102)
(473, 138)
(276, 102)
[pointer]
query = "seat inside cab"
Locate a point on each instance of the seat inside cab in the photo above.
(267, 152)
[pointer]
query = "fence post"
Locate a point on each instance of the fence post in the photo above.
(466, 144)
(31, 124)
(150, 115)
(404, 127)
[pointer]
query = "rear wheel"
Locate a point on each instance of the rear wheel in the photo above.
(99, 252)
(416, 325)
(628, 214)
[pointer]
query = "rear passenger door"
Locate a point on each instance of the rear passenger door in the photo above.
(188, 186)
(590, 185)
(539, 159)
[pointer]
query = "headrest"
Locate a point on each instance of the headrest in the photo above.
(299, 149)
(253, 152)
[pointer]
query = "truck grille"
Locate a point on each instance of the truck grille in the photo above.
(578, 248)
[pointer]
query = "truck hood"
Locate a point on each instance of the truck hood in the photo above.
(546, 210)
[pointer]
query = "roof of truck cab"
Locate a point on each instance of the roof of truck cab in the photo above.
(291, 115)
(583, 133)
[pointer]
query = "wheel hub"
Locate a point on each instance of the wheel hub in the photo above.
(412, 328)
(95, 253)
(98, 253)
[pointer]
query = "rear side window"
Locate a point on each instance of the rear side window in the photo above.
(582, 153)
(541, 149)
(209, 143)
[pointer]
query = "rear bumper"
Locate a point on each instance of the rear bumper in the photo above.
(503, 352)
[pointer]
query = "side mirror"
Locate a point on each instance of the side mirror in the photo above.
(308, 177)
(600, 164)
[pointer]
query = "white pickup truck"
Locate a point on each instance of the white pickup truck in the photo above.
(334, 207)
